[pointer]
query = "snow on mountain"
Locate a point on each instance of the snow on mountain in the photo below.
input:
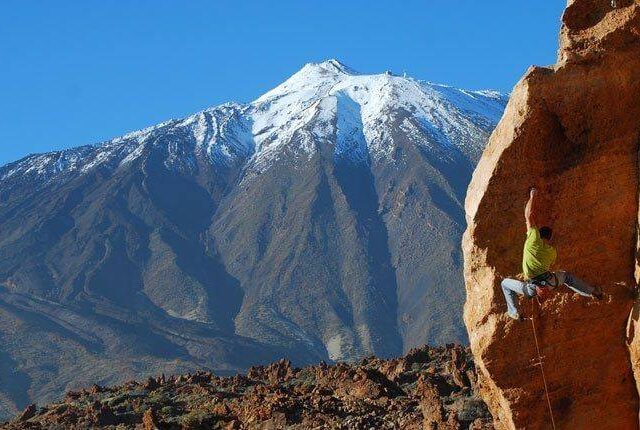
(459, 114)
(359, 109)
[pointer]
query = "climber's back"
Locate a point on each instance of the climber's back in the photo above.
(538, 255)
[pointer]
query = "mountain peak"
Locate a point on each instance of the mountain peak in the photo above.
(311, 80)
(331, 69)
(333, 66)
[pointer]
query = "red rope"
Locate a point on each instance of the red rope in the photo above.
(544, 379)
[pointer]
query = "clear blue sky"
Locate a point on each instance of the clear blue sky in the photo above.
(78, 72)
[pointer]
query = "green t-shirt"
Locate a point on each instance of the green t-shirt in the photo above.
(537, 256)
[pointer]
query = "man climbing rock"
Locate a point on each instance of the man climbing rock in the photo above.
(537, 258)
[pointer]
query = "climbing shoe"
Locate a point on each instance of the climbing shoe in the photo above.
(513, 316)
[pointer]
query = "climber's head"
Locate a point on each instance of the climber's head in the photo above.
(546, 232)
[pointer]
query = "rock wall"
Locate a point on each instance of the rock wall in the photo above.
(573, 130)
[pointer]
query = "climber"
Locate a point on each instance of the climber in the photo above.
(537, 259)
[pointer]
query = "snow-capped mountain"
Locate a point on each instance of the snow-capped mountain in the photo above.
(321, 221)
(318, 93)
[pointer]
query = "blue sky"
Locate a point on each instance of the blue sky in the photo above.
(79, 72)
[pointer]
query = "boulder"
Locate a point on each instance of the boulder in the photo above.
(572, 130)
(28, 413)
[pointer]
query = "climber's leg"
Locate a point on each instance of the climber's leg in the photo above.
(576, 284)
(512, 287)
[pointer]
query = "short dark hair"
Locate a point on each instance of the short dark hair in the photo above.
(546, 232)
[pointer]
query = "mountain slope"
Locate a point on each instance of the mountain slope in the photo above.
(321, 221)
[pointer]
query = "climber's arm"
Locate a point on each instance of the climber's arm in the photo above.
(528, 209)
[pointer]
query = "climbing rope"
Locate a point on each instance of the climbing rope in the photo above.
(539, 363)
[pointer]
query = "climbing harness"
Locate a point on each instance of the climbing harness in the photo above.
(544, 284)
(539, 363)
(544, 279)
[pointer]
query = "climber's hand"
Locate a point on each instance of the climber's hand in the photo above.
(533, 191)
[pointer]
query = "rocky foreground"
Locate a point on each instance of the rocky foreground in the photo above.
(429, 388)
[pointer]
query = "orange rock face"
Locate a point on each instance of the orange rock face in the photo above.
(573, 130)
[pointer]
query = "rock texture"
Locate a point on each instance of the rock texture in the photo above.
(572, 130)
(430, 388)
